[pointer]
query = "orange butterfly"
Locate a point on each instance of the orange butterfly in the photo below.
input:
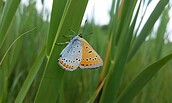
(79, 53)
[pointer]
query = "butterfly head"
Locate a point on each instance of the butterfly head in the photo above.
(76, 37)
(80, 35)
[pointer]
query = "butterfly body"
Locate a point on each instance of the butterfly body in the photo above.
(79, 53)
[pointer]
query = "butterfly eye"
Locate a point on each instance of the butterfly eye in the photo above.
(80, 35)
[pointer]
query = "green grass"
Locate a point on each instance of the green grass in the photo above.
(137, 66)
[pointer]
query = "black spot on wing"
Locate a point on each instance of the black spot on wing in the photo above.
(89, 51)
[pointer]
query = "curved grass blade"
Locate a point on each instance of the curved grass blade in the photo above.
(142, 79)
(7, 16)
(30, 77)
(14, 43)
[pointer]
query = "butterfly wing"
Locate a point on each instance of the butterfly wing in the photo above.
(90, 58)
(71, 55)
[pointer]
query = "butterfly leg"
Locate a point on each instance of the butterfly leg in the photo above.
(72, 31)
(68, 36)
(61, 43)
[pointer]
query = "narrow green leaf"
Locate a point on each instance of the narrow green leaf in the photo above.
(53, 74)
(7, 16)
(30, 76)
(1, 61)
(161, 32)
(57, 11)
(142, 79)
(97, 92)
(148, 27)
(111, 87)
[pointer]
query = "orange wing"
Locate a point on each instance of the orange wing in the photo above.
(90, 58)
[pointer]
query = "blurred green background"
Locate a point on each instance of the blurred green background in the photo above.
(137, 66)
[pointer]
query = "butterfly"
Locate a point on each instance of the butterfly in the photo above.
(79, 53)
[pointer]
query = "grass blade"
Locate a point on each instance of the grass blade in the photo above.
(57, 12)
(14, 43)
(93, 98)
(111, 86)
(142, 79)
(7, 16)
(30, 77)
(53, 74)
(148, 27)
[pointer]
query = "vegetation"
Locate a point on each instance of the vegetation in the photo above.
(137, 66)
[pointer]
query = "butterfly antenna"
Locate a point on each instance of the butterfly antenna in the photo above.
(72, 31)
(84, 26)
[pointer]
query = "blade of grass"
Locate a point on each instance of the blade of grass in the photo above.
(111, 87)
(102, 74)
(161, 33)
(30, 77)
(57, 12)
(142, 79)
(53, 74)
(144, 12)
(97, 91)
(7, 16)
(14, 43)
(147, 27)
